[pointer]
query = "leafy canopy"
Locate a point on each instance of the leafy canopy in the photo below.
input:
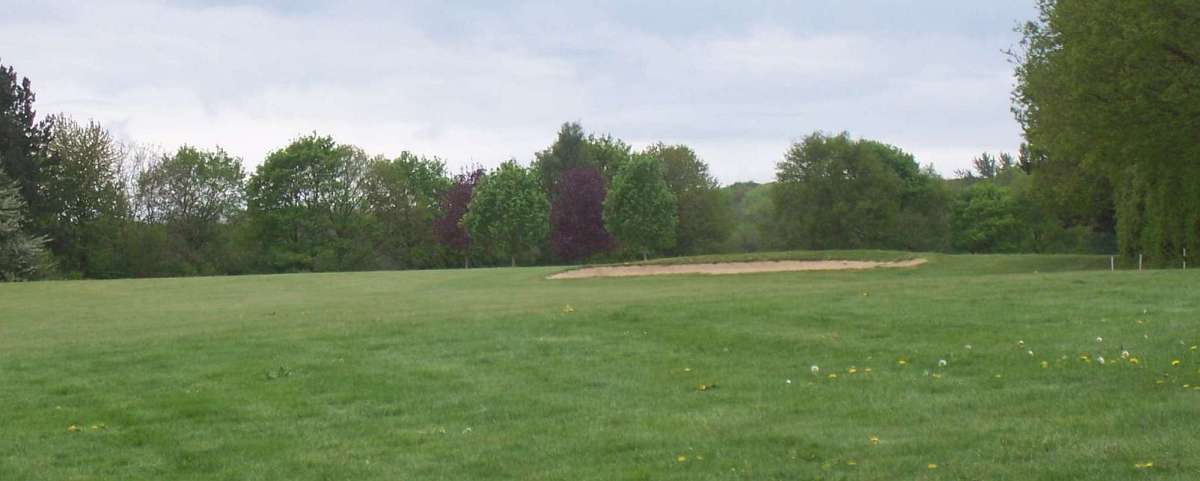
(509, 212)
(640, 208)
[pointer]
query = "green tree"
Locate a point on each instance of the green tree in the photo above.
(986, 220)
(23, 142)
(21, 254)
(833, 192)
(573, 148)
(84, 201)
(608, 155)
(509, 212)
(704, 218)
(194, 194)
(568, 151)
(307, 208)
(1109, 86)
(640, 209)
(402, 196)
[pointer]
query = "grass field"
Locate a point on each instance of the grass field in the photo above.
(501, 374)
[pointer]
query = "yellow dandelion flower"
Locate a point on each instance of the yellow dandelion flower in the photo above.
(902, 362)
(681, 458)
(832, 376)
(867, 370)
(72, 428)
(1175, 363)
(1133, 360)
(1144, 465)
(931, 466)
(1045, 364)
(1193, 348)
(1160, 381)
(937, 375)
(851, 462)
(852, 370)
(874, 440)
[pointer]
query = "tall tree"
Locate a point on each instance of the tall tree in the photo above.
(83, 198)
(705, 221)
(1111, 86)
(569, 150)
(194, 194)
(834, 192)
(306, 206)
(402, 195)
(448, 226)
(509, 211)
(577, 215)
(640, 209)
(21, 254)
(23, 142)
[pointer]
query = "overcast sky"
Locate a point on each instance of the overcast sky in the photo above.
(484, 81)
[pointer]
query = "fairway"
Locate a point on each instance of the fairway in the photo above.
(963, 368)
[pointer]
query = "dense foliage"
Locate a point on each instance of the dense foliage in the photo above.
(640, 209)
(576, 215)
(306, 206)
(448, 226)
(834, 192)
(1111, 89)
(509, 213)
(704, 217)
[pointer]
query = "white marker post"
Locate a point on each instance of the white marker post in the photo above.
(1112, 263)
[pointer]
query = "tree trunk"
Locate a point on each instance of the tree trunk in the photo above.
(645, 257)
(514, 261)
(466, 262)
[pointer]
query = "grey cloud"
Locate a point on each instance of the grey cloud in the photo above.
(485, 81)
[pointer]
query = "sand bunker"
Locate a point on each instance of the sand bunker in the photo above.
(729, 268)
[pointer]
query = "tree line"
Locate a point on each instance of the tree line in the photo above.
(1109, 164)
(77, 203)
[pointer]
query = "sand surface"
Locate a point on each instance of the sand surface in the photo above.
(729, 268)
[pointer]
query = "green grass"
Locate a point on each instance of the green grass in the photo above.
(487, 374)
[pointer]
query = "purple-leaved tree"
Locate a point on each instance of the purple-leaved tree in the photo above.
(577, 215)
(447, 226)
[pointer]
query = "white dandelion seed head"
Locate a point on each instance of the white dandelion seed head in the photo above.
(1100, 359)
(1030, 352)
(1124, 354)
(1099, 339)
(968, 347)
(814, 369)
(941, 363)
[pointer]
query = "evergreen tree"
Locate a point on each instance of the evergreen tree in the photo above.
(21, 254)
